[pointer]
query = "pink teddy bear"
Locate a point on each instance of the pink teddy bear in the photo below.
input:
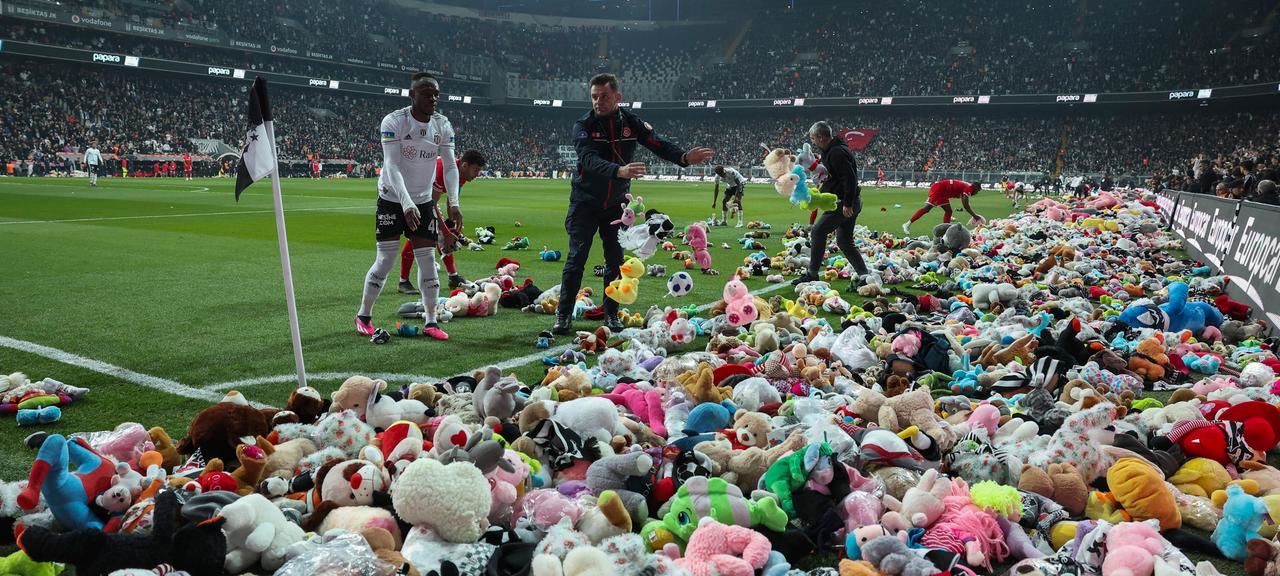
(696, 237)
(740, 307)
(1132, 548)
(723, 550)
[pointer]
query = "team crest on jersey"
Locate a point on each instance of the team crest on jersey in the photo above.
(422, 132)
(437, 138)
(626, 132)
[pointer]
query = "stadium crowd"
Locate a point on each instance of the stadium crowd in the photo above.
(913, 48)
(61, 107)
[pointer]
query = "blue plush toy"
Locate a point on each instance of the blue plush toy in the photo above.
(68, 493)
(1242, 516)
(1176, 315)
(549, 255)
(801, 193)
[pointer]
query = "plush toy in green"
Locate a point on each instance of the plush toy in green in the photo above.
(820, 201)
(20, 564)
(792, 472)
(714, 498)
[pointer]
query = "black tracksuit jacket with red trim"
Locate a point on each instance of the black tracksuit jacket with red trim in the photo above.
(605, 144)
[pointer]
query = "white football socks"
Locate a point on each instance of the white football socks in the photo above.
(428, 281)
(377, 275)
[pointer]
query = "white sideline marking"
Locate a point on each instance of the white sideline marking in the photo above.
(153, 382)
(290, 377)
(192, 215)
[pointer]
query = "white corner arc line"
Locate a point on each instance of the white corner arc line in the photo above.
(281, 378)
(154, 382)
(192, 215)
(556, 351)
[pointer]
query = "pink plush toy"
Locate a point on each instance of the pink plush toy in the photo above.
(125, 444)
(966, 529)
(1103, 201)
(543, 508)
(1131, 549)
(740, 307)
(723, 550)
(907, 344)
(645, 404)
(504, 487)
(696, 237)
(1057, 214)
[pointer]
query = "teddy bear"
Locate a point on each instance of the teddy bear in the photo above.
(722, 550)
(217, 430)
(951, 238)
(385, 546)
(745, 467)
(914, 408)
(565, 383)
(1059, 482)
(257, 534)
(1149, 360)
(989, 296)
(780, 164)
(921, 505)
(1132, 548)
(751, 429)
(448, 506)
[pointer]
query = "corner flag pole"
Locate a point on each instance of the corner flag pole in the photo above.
(287, 267)
(258, 159)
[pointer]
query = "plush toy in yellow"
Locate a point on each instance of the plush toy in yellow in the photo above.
(623, 290)
(699, 385)
(1200, 477)
(1139, 487)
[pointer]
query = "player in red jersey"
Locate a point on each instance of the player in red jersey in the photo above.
(469, 166)
(941, 193)
(315, 168)
(186, 164)
(879, 177)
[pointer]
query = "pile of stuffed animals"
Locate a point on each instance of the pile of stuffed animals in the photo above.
(1055, 397)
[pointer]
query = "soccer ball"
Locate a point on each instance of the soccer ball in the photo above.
(680, 284)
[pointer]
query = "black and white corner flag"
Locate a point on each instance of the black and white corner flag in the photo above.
(258, 155)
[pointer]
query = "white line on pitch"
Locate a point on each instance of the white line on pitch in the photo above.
(280, 378)
(556, 351)
(191, 215)
(153, 382)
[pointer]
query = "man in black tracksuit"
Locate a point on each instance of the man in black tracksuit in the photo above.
(843, 182)
(606, 140)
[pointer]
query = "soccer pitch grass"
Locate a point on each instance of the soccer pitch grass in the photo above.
(160, 295)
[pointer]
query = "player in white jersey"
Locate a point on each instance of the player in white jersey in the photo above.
(92, 160)
(412, 138)
(734, 185)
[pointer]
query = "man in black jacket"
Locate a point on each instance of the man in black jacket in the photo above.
(606, 140)
(843, 182)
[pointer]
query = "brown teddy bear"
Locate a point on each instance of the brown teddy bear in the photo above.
(384, 545)
(914, 408)
(217, 430)
(1058, 255)
(353, 394)
(1149, 360)
(1022, 349)
(567, 382)
(751, 429)
(165, 446)
(744, 468)
(424, 393)
(1061, 483)
(307, 404)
